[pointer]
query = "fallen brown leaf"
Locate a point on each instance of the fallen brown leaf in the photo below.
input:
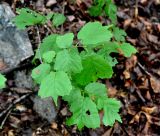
(11, 133)
(54, 125)
(149, 110)
(155, 84)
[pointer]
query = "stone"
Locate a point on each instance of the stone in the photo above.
(15, 45)
(23, 79)
(45, 108)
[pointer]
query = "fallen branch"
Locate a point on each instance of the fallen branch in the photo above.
(4, 120)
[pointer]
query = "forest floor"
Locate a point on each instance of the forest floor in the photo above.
(136, 82)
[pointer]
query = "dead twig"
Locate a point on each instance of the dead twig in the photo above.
(20, 90)
(146, 72)
(140, 96)
(4, 120)
(14, 102)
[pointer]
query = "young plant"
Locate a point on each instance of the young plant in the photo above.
(28, 17)
(74, 73)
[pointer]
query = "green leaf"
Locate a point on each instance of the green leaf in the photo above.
(49, 15)
(94, 67)
(68, 61)
(58, 19)
(109, 47)
(100, 3)
(48, 56)
(94, 33)
(111, 61)
(127, 49)
(75, 95)
(55, 84)
(65, 41)
(106, 49)
(96, 90)
(119, 34)
(96, 10)
(84, 110)
(40, 72)
(28, 17)
(85, 113)
(111, 108)
(111, 11)
(48, 44)
(2, 81)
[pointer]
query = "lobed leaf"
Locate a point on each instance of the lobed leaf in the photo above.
(65, 41)
(119, 34)
(58, 19)
(111, 108)
(55, 84)
(85, 113)
(72, 97)
(108, 47)
(123, 48)
(111, 61)
(127, 49)
(96, 90)
(68, 61)
(40, 72)
(93, 33)
(48, 44)
(94, 67)
(48, 56)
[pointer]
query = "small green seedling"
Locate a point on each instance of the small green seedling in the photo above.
(74, 74)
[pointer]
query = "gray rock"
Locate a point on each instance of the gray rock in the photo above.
(15, 45)
(45, 108)
(23, 79)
